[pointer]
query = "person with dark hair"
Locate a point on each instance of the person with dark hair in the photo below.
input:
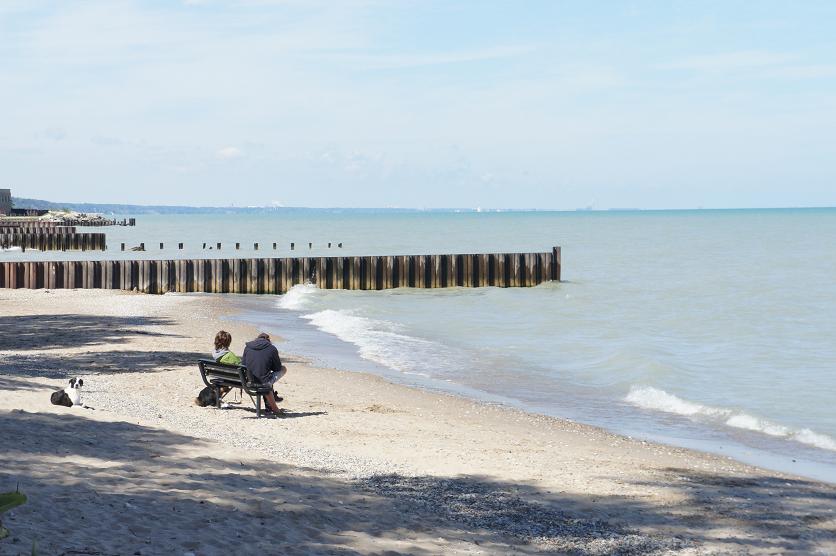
(221, 354)
(262, 360)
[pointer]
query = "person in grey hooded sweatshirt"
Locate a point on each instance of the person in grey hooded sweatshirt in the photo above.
(262, 360)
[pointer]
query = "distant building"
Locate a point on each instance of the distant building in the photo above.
(5, 201)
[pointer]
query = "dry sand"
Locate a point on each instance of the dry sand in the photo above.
(360, 465)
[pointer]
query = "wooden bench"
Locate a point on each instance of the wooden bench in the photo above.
(215, 375)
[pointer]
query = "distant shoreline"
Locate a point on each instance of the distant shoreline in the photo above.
(126, 209)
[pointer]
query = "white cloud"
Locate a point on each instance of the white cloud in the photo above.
(228, 153)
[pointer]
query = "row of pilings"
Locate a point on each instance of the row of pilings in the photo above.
(23, 222)
(52, 240)
(48, 236)
(278, 275)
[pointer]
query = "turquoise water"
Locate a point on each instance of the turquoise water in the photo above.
(710, 329)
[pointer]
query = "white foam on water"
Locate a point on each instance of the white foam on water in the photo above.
(655, 399)
(298, 298)
(752, 423)
(816, 439)
(379, 341)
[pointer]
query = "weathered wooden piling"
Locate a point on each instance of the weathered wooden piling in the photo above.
(34, 239)
(26, 222)
(278, 275)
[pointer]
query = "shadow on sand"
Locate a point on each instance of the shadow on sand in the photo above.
(40, 332)
(48, 365)
(155, 491)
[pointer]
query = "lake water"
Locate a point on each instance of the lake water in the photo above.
(707, 329)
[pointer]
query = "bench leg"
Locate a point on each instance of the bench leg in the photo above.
(218, 397)
(258, 406)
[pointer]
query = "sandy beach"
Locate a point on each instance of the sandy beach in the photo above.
(358, 466)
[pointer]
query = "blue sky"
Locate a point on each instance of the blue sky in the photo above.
(420, 103)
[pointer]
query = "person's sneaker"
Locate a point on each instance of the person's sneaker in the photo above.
(277, 397)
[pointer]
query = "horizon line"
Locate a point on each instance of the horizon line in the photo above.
(422, 209)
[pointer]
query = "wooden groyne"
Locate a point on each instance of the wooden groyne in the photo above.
(5, 229)
(54, 241)
(48, 236)
(30, 223)
(278, 275)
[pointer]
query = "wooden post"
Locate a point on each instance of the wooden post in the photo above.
(319, 273)
(271, 283)
(388, 272)
(86, 278)
(420, 272)
(200, 275)
(28, 282)
(503, 271)
(51, 275)
(237, 276)
(107, 275)
(355, 273)
(284, 264)
(339, 270)
(520, 267)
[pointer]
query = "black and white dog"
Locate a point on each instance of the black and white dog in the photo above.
(69, 396)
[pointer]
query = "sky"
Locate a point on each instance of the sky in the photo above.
(371, 103)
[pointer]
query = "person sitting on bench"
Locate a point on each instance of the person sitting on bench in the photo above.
(221, 353)
(262, 360)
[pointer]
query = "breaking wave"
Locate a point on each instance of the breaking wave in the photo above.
(379, 341)
(655, 399)
(298, 298)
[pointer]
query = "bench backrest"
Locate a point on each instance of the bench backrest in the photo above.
(231, 374)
